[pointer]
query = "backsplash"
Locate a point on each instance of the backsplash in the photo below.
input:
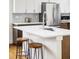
(20, 17)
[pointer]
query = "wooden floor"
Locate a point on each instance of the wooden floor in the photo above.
(12, 52)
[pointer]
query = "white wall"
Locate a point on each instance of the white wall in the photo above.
(10, 21)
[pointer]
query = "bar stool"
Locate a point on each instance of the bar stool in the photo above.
(19, 48)
(36, 46)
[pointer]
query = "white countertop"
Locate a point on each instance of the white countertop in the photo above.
(65, 21)
(39, 31)
(27, 23)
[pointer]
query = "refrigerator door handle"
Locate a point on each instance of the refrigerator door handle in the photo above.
(53, 16)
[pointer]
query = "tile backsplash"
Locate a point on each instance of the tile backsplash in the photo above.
(20, 17)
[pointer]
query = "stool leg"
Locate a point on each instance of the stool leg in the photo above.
(25, 50)
(16, 51)
(42, 53)
(20, 52)
(38, 53)
(35, 53)
(29, 53)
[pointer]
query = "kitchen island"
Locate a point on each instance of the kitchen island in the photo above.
(51, 39)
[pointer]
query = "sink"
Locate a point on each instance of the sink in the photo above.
(50, 29)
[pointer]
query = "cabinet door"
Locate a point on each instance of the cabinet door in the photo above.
(34, 6)
(37, 6)
(65, 25)
(16, 34)
(30, 6)
(18, 6)
(66, 47)
(64, 5)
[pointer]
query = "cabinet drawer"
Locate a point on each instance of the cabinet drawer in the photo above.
(65, 25)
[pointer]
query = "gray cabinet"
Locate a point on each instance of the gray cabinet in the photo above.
(16, 34)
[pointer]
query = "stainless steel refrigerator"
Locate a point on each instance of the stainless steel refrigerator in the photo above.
(50, 13)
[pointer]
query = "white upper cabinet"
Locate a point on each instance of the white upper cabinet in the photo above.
(34, 6)
(64, 5)
(30, 6)
(19, 6)
(27, 6)
(37, 6)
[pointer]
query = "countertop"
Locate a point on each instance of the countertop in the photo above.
(25, 23)
(38, 23)
(65, 21)
(38, 30)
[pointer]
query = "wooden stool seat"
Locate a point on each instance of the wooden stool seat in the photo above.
(19, 43)
(38, 50)
(21, 40)
(35, 45)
